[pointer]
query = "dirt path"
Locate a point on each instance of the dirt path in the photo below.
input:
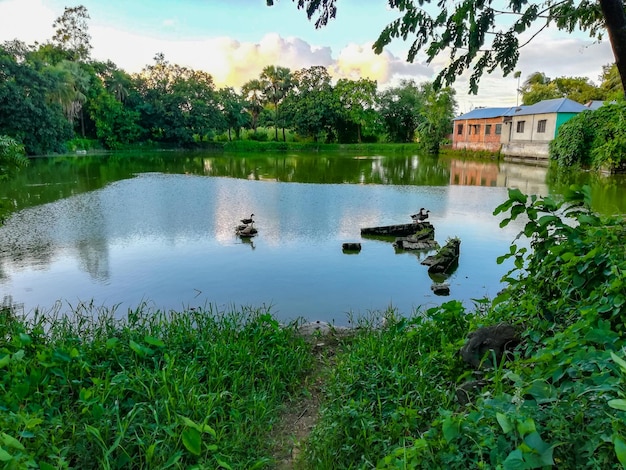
(302, 412)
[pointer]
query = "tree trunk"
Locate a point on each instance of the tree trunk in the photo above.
(615, 20)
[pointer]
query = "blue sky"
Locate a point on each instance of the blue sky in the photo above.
(234, 39)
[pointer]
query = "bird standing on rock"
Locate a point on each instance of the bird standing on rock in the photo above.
(248, 221)
(420, 216)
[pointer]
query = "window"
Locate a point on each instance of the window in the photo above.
(459, 129)
(474, 129)
(541, 125)
(498, 129)
(487, 129)
(520, 127)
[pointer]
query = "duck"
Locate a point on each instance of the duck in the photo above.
(421, 215)
(248, 221)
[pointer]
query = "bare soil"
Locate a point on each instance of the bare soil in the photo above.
(301, 412)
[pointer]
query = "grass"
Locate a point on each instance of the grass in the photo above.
(158, 390)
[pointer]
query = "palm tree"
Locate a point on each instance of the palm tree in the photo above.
(252, 92)
(277, 81)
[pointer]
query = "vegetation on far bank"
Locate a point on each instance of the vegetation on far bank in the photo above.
(204, 389)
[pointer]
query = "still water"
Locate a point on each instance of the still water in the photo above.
(159, 228)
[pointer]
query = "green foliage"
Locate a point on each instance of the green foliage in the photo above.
(593, 138)
(176, 390)
(557, 402)
(539, 87)
(11, 159)
(572, 145)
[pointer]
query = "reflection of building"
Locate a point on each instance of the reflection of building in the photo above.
(521, 131)
(473, 173)
(531, 179)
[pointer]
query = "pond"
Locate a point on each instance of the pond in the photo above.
(159, 227)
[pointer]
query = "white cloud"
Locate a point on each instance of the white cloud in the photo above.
(27, 20)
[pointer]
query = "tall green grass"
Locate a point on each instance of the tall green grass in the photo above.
(185, 389)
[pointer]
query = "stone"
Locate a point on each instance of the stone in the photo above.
(440, 289)
(484, 343)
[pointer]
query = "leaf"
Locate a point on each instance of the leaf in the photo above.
(223, 464)
(450, 429)
(504, 423)
(154, 341)
(526, 427)
(517, 196)
(10, 441)
(542, 392)
(515, 461)
(619, 361)
(618, 404)
(192, 440)
(620, 449)
(4, 360)
(111, 343)
(5, 456)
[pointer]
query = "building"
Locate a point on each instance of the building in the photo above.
(480, 129)
(528, 130)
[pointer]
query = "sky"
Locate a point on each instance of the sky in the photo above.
(234, 39)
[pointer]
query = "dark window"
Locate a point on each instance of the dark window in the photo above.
(459, 129)
(520, 127)
(487, 129)
(498, 129)
(541, 125)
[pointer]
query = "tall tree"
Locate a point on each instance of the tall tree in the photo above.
(436, 116)
(253, 94)
(401, 109)
(539, 87)
(233, 107)
(357, 100)
(469, 33)
(72, 33)
(311, 106)
(277, 81)
(28, 112)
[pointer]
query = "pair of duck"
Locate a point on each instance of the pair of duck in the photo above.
(421, 216)
(247, 229)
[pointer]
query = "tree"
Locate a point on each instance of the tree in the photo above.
(401, 109)
(28, 110)
(179, 104)
(539, 87)
(469, 34)
(357, 100)
(72, 33)
(232, 106)
(253, 94)
(310, 106)
(277, 81)
(436, 116)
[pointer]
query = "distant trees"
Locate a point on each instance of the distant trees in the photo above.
(539, 87)
(54, 97)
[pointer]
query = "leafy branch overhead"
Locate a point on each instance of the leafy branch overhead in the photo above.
(480, 36)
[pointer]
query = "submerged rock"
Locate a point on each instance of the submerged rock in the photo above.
(440, 289)
(446, 259)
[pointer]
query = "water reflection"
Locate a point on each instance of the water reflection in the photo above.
(122, 228)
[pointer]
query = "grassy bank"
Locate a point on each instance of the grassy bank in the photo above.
(251, 146)
(210, 390)
(179, 390)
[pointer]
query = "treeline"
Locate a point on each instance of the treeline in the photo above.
(538, 87)
(52, 94)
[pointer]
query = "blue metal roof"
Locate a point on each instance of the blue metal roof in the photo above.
(558, 105)
(483, 113)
